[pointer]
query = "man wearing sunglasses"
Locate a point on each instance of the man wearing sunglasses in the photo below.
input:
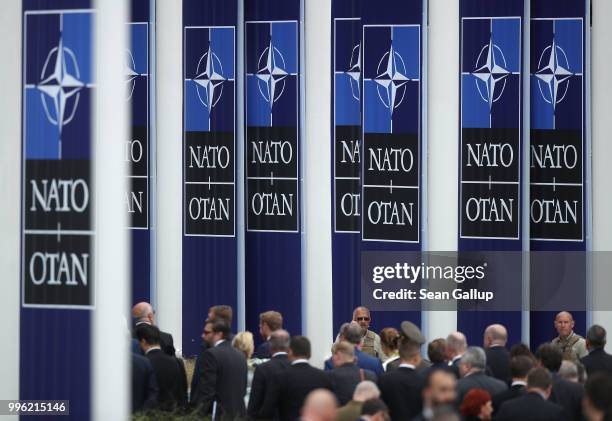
(370, 341)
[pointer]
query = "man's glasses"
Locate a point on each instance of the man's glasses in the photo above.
(208, 332)
(362, 319)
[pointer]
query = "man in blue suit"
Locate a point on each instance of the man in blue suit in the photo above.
(351, 333)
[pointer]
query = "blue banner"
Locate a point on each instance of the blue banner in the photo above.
(272, 161)
(558, 205)
(57, 285)
(209, 163)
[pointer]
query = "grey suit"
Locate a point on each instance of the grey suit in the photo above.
(479, 380)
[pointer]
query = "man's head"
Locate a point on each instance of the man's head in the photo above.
(343, 353)
(320, 405)
(221, 312)
(269, 321)
(456, 344)
(148, 336)
(568, 371)
(495, 335)
(539, 380)
(439, 389)
(299, 348)
(595, 337)
(410, 352)
(351, 332)
(564, 323)
(143, 313)
(436, 351)
(215, 330)
(366, 390)
(474, 359)
(279, 341)
(597, 391)
(375, 410)
(549, 357)
(361, 315)
(520, 366)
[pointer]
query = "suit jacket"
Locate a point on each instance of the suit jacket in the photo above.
(365, 361)
(263, 351)
(197, 369)
(345, 378)
(290, 388)
(530, 407)
(479, 380)
(171, 380)
(498, 361)
(514, 392)
(454, 366)
(166, 342)
(144, 384)
(223, 380)
(597, 360)
(401, 391)
(568, 395)
(262, 382)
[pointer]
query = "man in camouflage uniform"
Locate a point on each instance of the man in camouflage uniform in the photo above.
(370, 341)
(571, 344)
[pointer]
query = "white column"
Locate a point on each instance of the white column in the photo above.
(316, 190)
(443, 130)
(169, 86)
(10, 176)
(110, 348)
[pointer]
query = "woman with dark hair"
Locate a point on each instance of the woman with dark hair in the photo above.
(389, 343)
(477, 405)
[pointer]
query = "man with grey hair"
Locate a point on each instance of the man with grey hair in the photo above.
(346, 374)
(498, 358)
(472, 369)
(598, 359)
(351, 333)
(568, 371)
(143, 313)
(571, 345)
(364, 391)
(456, 344)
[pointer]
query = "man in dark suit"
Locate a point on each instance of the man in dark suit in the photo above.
(456, 344)
(439, 392)
(351, 333)
(223, 375)
(597, 405)
(519, 368)
(437, 352)
(498, 358)
(598, 359)
(264, 373)
(169, 371)
(269, 321)
(144, 384)
(533, 405)
(401, 388)
(291, 386)
(565, 393)
(143, 313)
(472, 369)
(346, 374)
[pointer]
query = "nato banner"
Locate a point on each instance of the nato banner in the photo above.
(490, 141)
(272, 160)
(56, 225)
(558, 206)
(137, 147)
(209, 162)
(346, 156)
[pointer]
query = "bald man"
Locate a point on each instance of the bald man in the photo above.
(498, 358)
(370, 341)
(143, 313)
(456, 344)
(320, 405)
(572, 345)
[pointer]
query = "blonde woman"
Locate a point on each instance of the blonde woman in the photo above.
(243, 341)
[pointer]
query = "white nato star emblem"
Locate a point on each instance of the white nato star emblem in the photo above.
(210, 79)
(354, 71)
(130, 73)
(59, 85)
(553, 74)
(492, 73)
(271, 74)
(391, 79)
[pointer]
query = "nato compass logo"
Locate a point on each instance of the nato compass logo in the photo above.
(391, 78)
(271, 64)
(556, 73)
(347, 72)
(131, 74)
(354, 72)
(58, 79)
(209, 79)
(490, 74)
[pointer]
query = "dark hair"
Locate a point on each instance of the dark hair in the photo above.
(149, 333)
(300, 346)
(540, 378)
(409, 349)
(374, 406)
(598, 389)
(220, 325)
(596, 335)
(389, 336)
(436, 350)
(473, 402)
(520, 366)
(550, 356)
(521, 349)
(222, 312)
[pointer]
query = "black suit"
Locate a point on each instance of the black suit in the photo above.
(290, 388)
(263, 351)
(345, 378)
(498, 361)
(454, 366)
(197, 370)
(530, 407)
(598, 360)
(144, 384)
(401, 391)
(171, 379)
(568, 395)
(479, 380)
(166, 342)
(223, 380)
(514, 392)
(262, 382)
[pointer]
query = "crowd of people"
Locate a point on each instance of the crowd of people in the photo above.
(371, 376)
